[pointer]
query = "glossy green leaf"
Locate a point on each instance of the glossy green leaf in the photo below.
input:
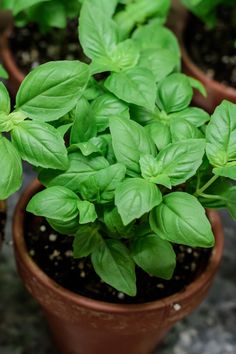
(154, 255)
(5, 103)
(134, 197)
(107, 106)
(68, 227)
(19, 5)
(136, 85)
(182, 130)
(181, 219)
(193, 115)
(221, 135)
(115, 226)
(174, 93)
(11, 169)
(160, 134)
(86, 240)
(3, 73)
(87, 212)
(130, 140)
(181, 160)
(227, 171)
(196, 84)
(40, 144)
(52, 89)
(84, 126)
(113, 263)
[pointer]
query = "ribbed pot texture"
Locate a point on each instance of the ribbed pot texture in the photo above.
(84, 326)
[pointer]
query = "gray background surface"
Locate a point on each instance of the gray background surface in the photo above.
(209, 330)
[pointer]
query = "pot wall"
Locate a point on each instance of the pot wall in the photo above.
(83, 326)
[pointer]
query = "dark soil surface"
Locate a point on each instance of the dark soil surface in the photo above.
(214, 50)
(32, 48)
(53, 253)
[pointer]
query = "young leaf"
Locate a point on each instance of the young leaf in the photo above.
(113, 263)
(134, 197)
(136, 85)
(87, 212)
(86, 240)
(79, 170)
(198, 86)
(11, 169)
(101, 185)
(181, 160)
(97, 32)
(174, 93)
(115, 225)
(52, 89)
(5, 103)
(154, 255)
(107, 106)
(40, 144)
(150, 171)
(84, 126)
(221, 135)
(130, 141)
(181, 219)
(58, 203)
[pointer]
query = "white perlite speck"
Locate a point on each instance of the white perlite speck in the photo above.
(52, 237)
(177, 307)
(42, 228)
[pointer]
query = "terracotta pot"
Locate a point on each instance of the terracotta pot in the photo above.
(2, 220)
(16, 76)
(216, 92)
(84, 326)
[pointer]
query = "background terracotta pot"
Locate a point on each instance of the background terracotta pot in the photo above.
(2, 220)
(16, 76)
(84, 326)
(216, 92)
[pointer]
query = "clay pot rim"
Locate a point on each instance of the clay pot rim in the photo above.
(200, 74)
(101, 306)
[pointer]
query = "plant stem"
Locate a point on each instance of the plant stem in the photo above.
(207, 185)
(210, 196)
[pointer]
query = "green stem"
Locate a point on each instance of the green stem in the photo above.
(210, 196)
(207, 185)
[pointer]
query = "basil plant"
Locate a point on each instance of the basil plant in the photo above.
(3, 73)
(139, 165)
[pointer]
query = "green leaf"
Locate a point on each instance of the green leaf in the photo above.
(174, 93)
(58, 203)
(136, 85)
(52, 89)
(96, 144)
(84, 126)
(115, 225)
(150, 171)
(181, 219)
(198, 86)
(156, 36)
(11, 169)
(107, 106)
(79, 170)
(181, 160)
(40, 144)
(193, 115)
(134, 197)
(5, 103)
(227, 171)
(113, 263)
(160, 134)
(161, 62)
(97, 32)
(87, 212)
(63, 129)
(221, 135)
(100, 186)
(130, 141)
(69, 227)
(86, 240)
(3, 73)
(182, 130)
(154, 255)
